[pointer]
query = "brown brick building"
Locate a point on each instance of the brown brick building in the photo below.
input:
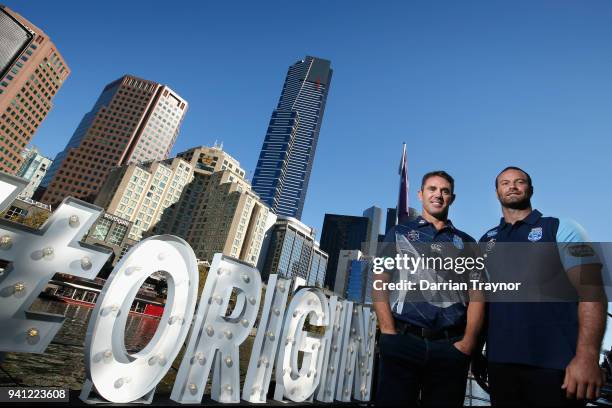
(134, 120)
(31, 72)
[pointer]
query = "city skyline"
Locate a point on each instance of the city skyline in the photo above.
(548, 89)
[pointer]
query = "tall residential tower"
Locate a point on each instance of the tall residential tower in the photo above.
(133, 121)
(31, 72)
(285, 162)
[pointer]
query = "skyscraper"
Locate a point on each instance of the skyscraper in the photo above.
(134, 120)
(341, 232)
(374, 215)
(31, 72)
(285, 162)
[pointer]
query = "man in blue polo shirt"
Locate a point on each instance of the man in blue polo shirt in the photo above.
(427, 335)
(542, 353)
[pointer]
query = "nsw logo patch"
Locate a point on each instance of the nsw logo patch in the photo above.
(535, 234)
(457, 242)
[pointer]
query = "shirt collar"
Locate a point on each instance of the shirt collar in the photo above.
(532, 219)
(421, 222)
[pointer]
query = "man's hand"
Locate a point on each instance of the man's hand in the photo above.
(465, 345)
(583, 378)
(388, 330)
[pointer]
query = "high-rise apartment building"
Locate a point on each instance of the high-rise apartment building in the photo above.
(287, 155)
(134, 120)
(342, 232)
(217, 211)
(177, 219)
(293, 252)
(31, 72)
(33, 169)
(229, 218)
(139, 193)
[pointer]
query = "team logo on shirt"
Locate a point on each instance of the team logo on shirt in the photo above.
(413, 235)
(457, 242)
(421, 222)
(535, 234)
(436, 248)
(492, 233)
(491, 245)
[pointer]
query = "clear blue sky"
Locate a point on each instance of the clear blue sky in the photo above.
(471, 87)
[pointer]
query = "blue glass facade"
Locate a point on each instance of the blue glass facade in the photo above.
(356, 287)
(285, 162)
(293, 252)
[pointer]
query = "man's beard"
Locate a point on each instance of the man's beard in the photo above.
(518, 205)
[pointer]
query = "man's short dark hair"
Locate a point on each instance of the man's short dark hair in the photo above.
(439, 173)
(514, 168)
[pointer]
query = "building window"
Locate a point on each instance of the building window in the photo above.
(15, 212)
(117, 235)
(101, 229)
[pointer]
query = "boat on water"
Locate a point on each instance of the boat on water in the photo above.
(85, 293)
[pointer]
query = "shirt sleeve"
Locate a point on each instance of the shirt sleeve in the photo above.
(573, 244)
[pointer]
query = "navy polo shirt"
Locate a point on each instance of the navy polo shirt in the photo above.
(417, 238)
(542, 334)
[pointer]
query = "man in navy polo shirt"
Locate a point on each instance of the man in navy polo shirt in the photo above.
(542, 353)
(427, 336)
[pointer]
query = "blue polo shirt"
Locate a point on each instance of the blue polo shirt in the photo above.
(542, 334)
(419, 238)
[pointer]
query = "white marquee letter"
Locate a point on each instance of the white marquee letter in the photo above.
(292, 381)
(266, 341)
(35, 256)
(117, 375)
(215, 336)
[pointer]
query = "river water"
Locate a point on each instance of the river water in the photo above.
(62, 364)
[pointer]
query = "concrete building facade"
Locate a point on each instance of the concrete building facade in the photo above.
(139, 193)
(229, 218)
(33, 169)
(177, 219)
(217, 211)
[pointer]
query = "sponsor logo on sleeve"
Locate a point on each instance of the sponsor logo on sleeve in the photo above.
(581, 250)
